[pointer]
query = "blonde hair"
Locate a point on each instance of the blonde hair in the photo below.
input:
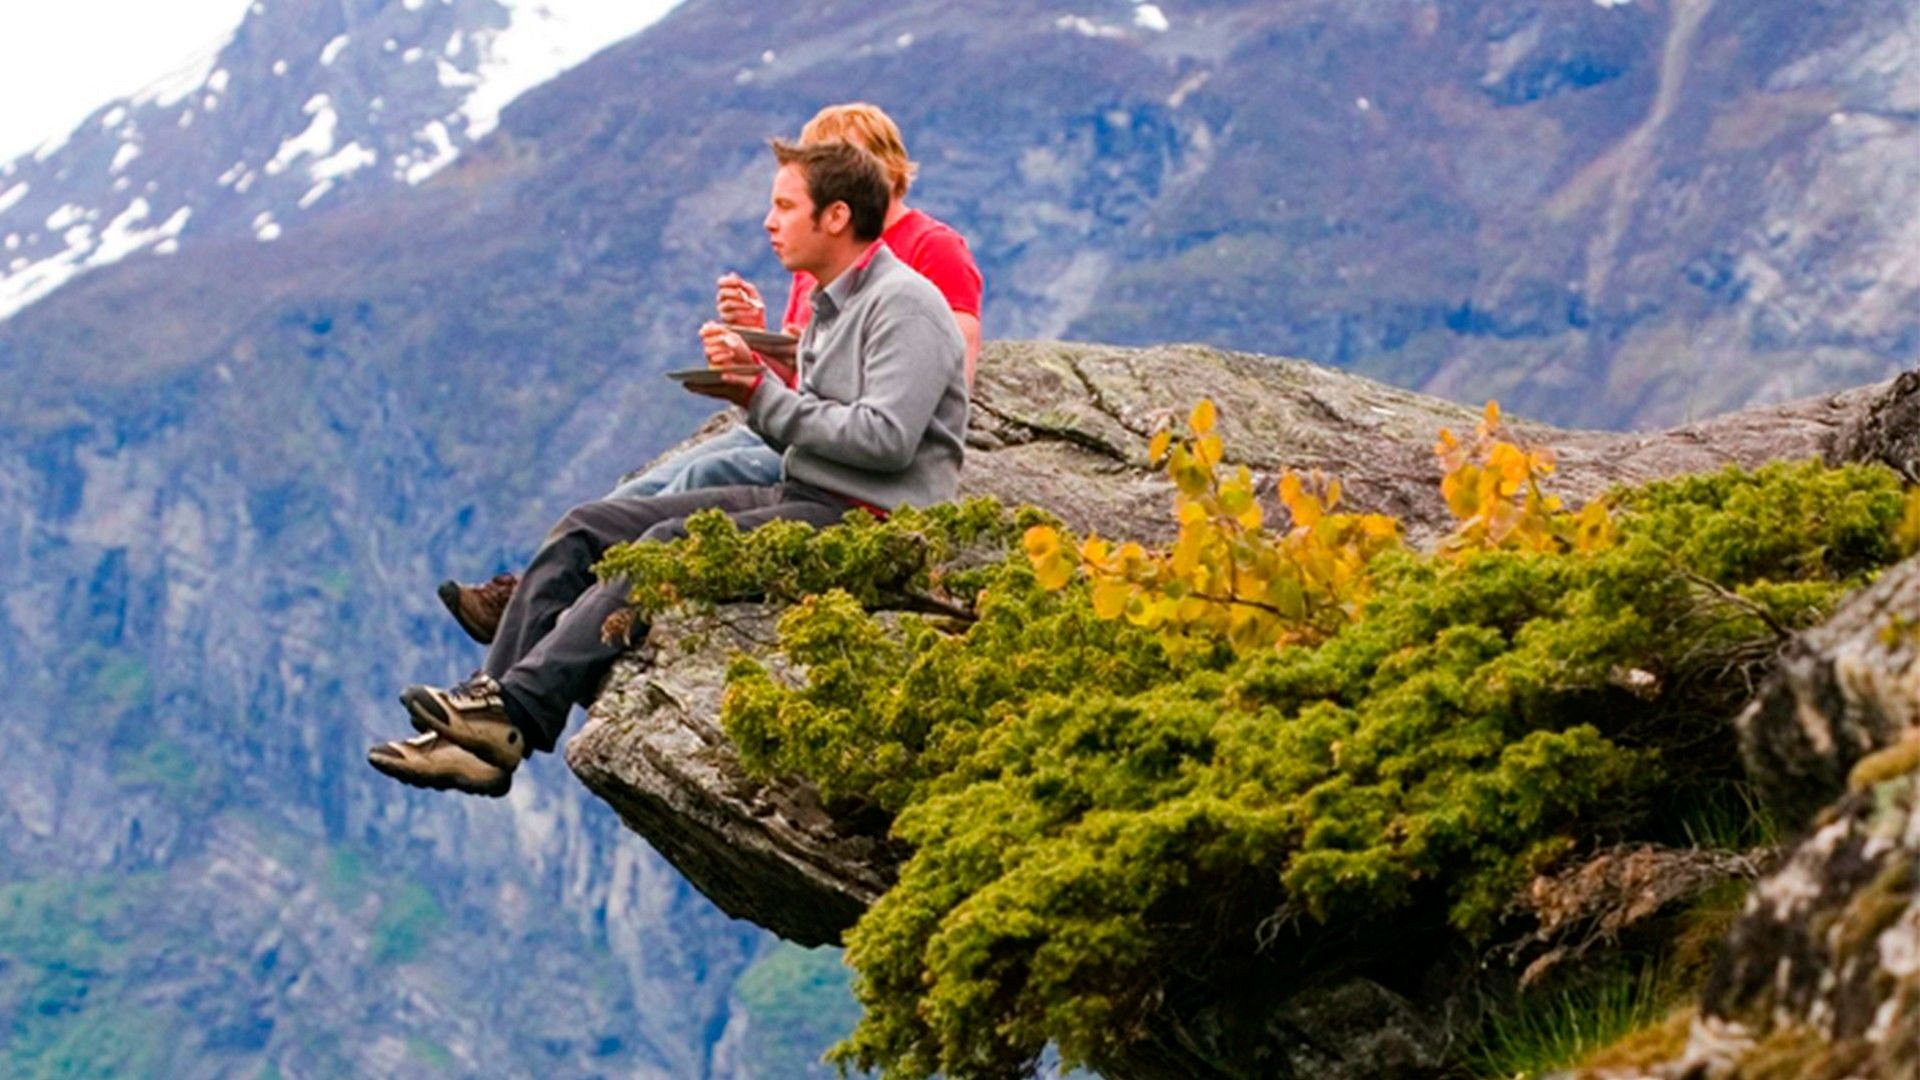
(868, 126)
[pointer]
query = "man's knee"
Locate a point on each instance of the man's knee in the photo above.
(663, 531)
(587, 519)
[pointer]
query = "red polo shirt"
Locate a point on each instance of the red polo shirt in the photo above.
(929, 246)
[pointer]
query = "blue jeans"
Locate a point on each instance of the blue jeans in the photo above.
(736, 457)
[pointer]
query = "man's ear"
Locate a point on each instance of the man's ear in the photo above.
(837, 218)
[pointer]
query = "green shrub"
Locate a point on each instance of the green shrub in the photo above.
(1098, 822)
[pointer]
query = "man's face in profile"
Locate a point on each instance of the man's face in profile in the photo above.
(790, 221)
(797, 239)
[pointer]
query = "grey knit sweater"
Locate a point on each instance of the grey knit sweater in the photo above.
(881, 410)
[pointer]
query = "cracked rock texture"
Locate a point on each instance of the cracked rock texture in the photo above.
(1842, 691)
(1820, 977)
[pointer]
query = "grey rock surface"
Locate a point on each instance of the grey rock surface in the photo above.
(1842, 691)
(1819, 978)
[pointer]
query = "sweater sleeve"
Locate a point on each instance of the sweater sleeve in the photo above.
(880, 430)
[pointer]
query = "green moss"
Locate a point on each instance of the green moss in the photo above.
(1702, 928)
(798, 1003)
(1644, 1047)
(1097, 819)
(409, 915)
(162, 766)
(431, 1054)
(65, 1004)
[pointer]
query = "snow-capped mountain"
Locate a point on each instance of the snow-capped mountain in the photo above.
(306, 106)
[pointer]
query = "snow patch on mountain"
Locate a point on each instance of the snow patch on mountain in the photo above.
(440, 153)
(316, 140)
(542, 39)
(28, 280)
(345, 161)
(179, 84)
(1086, 27)
(484, 54)
(121, 238)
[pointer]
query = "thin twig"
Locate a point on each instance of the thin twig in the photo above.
(1736, 600)
(934, 605)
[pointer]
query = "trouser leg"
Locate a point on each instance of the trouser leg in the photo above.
(562, 569)
(746, 464)
(564, 664)
(671, 474)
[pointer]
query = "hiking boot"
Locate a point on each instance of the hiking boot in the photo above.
(429, 761)
(472, 715)
(477, 608)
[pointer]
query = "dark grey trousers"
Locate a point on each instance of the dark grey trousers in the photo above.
(548, 654)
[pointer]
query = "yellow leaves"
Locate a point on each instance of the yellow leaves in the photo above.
(1110, 598)
(1052, 568)
(1041, 541)
(1157, 449)
(1907, 533)
(1492, 488)
(1207, 450)
(1304, 507)
(1227, 576)
(1593, 527)
(1094, 550)
(1202, 417)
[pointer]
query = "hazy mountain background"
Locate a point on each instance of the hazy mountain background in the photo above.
(369, 294)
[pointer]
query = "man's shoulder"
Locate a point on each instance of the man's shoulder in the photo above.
(895, 287)
(894, 273)
(920, 229)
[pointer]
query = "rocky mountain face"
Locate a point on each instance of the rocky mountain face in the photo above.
(285, 342)
(1605, 213)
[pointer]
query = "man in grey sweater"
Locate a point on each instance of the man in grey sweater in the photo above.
(878, 420)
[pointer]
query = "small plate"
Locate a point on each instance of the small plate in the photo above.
(765, 341)
(711, 374)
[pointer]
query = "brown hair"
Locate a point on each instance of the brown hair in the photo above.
(841, 172)
(865, 125)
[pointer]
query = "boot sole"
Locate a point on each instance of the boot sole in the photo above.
(423, 711)
(449, 593)
(392, 767)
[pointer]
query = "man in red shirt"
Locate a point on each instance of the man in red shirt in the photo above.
(738, 456)
(923, 242)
